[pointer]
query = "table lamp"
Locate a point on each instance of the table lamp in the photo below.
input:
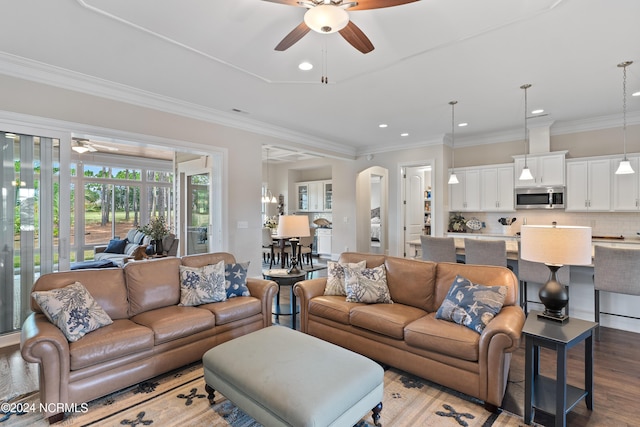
(555, 246)
(293, 227)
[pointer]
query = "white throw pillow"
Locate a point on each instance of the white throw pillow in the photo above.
(335, 276)
(73, 310)
(367, 285)
(202, 285)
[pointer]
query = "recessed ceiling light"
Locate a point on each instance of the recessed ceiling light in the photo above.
(382, 125)
(404, 134)
(461, 125)
(636, 93)
(305, 66)
(538, 111)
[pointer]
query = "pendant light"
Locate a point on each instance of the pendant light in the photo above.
(625, 166)
(526, 172)
(453, 179)
(268, 197)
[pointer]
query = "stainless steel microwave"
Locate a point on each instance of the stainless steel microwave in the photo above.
(540, 198)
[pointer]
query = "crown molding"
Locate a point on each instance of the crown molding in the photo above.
(26, 69)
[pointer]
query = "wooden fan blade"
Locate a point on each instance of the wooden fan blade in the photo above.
(289, 2)
(376, 4)
(356, 38)
(291, 38)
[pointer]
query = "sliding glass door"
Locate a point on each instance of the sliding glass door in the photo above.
(29, 220)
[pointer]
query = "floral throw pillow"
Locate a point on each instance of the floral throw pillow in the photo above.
(73, 310)
(335, 276)
(236, 280)
(470, 304)
(202, 285)
(368, 285)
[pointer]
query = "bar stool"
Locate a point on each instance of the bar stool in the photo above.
(485, 252)
(616, 270)
(537, 272)
(438, 249)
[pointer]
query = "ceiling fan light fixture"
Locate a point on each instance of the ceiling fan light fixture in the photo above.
(326, 18)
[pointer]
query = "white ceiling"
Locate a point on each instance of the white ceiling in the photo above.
(214, 56)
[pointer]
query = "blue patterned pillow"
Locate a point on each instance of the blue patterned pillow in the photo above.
(73, 310)
(202, 285)
(116, 246)
(470, 304)
(236, 279)
(367, 285)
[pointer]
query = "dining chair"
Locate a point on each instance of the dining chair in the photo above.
(438, 249)
(267, 246)
(485, 252)
(616, 270)
(537, 272)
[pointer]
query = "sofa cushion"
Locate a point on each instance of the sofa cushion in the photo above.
(332, 307)
(441, 336)
(116, 246)
(368, 285)
(236, 279)
(471, 304)
(106, 286)
(411, 282)
(73, 310)
(385, 319)
(152, 284)
(234, 309)
(122, 338)
(202, 285)
(172, 323)
(335, 276)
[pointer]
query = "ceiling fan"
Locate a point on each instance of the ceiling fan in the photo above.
(81, 145)
(330, 16)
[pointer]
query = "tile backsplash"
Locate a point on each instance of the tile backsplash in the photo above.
(625, 224)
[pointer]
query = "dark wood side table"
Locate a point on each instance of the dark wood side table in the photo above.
(556, 397)
(282, 278)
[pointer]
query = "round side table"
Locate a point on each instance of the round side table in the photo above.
(282, 278)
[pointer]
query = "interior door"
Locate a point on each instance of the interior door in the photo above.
(198, 212)
(414, 205)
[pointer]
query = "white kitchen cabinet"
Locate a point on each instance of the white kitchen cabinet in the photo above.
(626, 194)
(323, 241)
(314, 196)
(465, 196)
(496, 184)
(588, 185)
(547, 170)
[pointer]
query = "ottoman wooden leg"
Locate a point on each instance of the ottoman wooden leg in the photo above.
(210, 394)
(376, 414)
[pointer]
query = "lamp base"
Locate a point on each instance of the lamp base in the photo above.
(293, 270)
(560, 319)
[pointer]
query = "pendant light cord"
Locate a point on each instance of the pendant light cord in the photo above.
(453, 137)
(526, 128)
(624, 108)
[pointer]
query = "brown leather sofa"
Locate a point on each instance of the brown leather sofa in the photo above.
(406, 334)
(151, 334)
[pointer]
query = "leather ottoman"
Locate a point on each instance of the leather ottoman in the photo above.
(283, 377)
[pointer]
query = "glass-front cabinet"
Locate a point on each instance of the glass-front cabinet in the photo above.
(328, 196)
(302, 191)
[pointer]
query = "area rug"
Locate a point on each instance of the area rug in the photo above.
(179, 399)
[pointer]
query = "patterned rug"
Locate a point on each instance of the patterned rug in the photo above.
(179, 399)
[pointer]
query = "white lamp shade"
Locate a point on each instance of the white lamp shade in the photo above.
(453, 179)
(559, 245)
(525, 175)
(293, 226)
(326, 19)
(624, 168)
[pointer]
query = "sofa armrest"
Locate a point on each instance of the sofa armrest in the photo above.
(305, 291)
(42, 342)
(264, 290)
(99, 249)
(500, 338)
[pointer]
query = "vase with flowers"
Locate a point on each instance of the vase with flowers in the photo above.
(157, 229)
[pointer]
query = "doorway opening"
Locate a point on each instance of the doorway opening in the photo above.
(418, 214)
